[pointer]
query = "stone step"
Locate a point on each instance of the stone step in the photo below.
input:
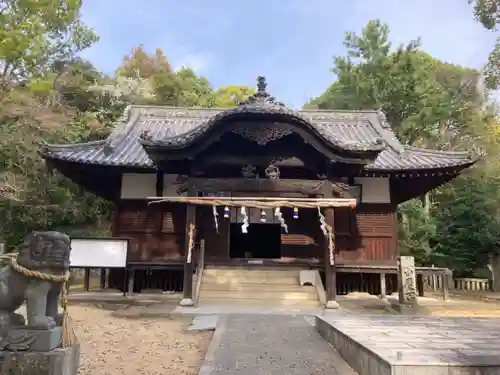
(250, 272)
(243, 279)
(232, 286)
(258, 302)
(258, 294)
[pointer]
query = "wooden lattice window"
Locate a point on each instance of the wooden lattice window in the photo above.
(137, 220)
(173, 219)
(375, 224)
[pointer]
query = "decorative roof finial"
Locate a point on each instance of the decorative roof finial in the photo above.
(261, 97)
(261, 84)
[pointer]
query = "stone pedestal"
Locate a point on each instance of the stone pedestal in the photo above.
(36, 340)
(56, 362)
(407, 281)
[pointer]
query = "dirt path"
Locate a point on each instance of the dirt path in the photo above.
(119, 346)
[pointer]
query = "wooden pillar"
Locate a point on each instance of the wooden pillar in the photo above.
(187, 299)
(330, 269)
(130, 282)
(86, 279)
(103, 279)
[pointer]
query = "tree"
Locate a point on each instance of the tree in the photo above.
(230, 96)
(468, 223)
(407, 84)
(487, 12)
(432, 104)
(140, 64)
(183, 88)
(35, 34)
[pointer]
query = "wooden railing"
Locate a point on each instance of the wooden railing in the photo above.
(199, 271)
(435, 282)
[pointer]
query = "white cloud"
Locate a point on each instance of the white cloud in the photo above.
(199, 62)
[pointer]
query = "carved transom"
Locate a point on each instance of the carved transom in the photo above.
(261, 135)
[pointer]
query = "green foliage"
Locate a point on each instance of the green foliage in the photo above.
(417, 93)
(230, 96)
(139, 64)
(417, 228)
(70, 102)
(487, 12)
(36, 33)
(437, 105)
(468, 230)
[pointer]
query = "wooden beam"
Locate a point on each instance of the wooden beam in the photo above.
(253, 185)
(306, 187)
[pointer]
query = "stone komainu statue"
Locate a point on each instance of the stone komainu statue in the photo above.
(45, 252)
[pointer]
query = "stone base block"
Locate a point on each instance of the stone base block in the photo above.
(186, 302)
(332, 305)
(56, 362)
(35, 340)
(404, 308)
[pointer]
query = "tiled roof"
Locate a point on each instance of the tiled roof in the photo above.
(361, 130)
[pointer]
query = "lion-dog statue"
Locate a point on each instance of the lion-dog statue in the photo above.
(46, 252)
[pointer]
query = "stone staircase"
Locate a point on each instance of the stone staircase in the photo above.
(259, 287)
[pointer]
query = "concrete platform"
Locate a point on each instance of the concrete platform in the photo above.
(416, 345)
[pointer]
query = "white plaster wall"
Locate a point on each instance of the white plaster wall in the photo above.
(138, 185)
(374, 190)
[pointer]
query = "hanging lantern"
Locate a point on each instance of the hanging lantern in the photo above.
(263, 216)
(295, 213)
(227, 212)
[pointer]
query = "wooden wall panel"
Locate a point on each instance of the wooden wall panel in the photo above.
(303, 239)
(157, 231)
(372, 237)
(367, 234)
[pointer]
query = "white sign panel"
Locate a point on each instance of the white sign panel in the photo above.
(98, 253)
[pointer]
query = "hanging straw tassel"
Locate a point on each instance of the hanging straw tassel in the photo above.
(68, 337)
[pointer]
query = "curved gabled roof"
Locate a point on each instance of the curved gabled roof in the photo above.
(123, 147)
(260, 106)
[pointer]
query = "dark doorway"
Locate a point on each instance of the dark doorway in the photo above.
(262, 241)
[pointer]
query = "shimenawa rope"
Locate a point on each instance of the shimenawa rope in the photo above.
(259, 203)
(68, 337)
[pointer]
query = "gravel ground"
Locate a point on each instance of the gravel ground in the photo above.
(119, 346)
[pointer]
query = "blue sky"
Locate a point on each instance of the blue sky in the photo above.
(291, 42)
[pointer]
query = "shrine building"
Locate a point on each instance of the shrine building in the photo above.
(253, 189)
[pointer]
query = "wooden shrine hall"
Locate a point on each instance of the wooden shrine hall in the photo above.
(260, 186)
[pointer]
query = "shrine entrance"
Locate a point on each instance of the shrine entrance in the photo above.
(263, 241)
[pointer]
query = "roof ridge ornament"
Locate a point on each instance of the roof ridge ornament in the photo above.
(261, 97)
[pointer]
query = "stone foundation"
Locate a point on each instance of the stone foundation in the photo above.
(56, 362)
